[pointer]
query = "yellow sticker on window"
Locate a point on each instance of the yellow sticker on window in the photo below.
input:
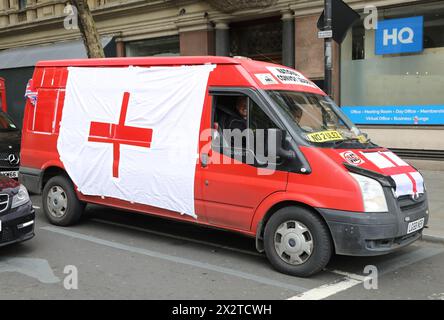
(325, 136)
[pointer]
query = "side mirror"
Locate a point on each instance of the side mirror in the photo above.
(276, 138)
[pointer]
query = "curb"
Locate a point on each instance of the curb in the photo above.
(433, 238)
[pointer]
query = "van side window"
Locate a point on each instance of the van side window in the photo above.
(236, 121)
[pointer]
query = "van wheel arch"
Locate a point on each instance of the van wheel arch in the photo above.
(49, 173)
(262, 224)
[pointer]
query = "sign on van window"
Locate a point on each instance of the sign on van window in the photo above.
(399, 36)
(288, 76)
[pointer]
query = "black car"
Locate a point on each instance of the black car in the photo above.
(10, 137)
(16, 212)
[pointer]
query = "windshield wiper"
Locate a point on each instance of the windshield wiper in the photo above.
(336, 144)
(366, 145)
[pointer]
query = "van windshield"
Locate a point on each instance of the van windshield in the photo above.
(317, 117)
(6, 123)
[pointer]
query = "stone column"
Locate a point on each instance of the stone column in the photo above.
(288, 39)
(197, 42)
(120, 49)
(222, 39)
(4, 20)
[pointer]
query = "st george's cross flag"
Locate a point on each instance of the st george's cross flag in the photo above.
(133, 133)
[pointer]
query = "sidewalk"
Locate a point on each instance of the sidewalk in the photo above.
(434, 181)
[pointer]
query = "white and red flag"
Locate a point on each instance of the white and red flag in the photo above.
(408, 180)
(31, 93)
(133, 133)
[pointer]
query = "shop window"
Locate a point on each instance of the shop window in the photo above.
(395, 80)
(434, 31)
(358, 45)
(22, 4)
(165, 46)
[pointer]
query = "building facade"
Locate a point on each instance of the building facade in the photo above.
(281, 31)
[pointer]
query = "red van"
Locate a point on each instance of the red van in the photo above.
(231, 143)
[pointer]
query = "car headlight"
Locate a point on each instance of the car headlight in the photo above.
(372, 194)
(21, 198)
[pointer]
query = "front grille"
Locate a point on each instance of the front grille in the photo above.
(26, 230)
(4, 160)
(406, 203)
(392, 242)
(7, 235)
(12, 233)
(4, 201)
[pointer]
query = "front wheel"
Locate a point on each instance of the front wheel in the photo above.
(60, 202)
(297, 242)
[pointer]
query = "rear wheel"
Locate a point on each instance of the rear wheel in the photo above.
(297, 242)
(60, 202)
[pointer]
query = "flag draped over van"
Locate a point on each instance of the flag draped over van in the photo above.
(133, 133)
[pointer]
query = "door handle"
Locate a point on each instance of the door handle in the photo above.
(204, 160)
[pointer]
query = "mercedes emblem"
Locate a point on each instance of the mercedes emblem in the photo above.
(13, 159)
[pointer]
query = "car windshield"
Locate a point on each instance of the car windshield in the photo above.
(317, 117)
(6, 123)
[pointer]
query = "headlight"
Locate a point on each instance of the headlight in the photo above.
(21, 198)
(372, 194)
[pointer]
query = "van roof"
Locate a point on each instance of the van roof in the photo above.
(143, 61)
(253, 68)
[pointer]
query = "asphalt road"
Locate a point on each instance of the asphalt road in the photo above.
(119, 255)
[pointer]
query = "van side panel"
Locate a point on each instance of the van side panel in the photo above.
(42, 125)
(3, 106)
(230, 76)
(41, 122)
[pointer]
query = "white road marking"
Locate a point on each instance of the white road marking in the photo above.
(157, 233)
(36, 207)
(327, 290)
(350, 280)
(405, 260)
(175, 259)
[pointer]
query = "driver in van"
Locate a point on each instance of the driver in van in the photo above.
(239, 121)
(297, 113)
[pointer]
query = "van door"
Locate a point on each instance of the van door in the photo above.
(234, 184)
(3, 106)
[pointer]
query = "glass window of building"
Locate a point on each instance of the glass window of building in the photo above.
(259, 40)
(164, 46)
(401, 79)
(22, 4)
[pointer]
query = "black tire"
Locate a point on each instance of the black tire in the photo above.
(321, 239)
(74, 208)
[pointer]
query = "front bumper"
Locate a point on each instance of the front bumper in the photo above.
(372, 234)
(17, 225)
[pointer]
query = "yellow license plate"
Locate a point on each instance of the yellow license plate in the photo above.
(325, 136)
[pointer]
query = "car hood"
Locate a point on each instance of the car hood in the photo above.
(10, 140)
(8, 184)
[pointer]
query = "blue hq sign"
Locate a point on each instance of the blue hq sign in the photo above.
(399, 36)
